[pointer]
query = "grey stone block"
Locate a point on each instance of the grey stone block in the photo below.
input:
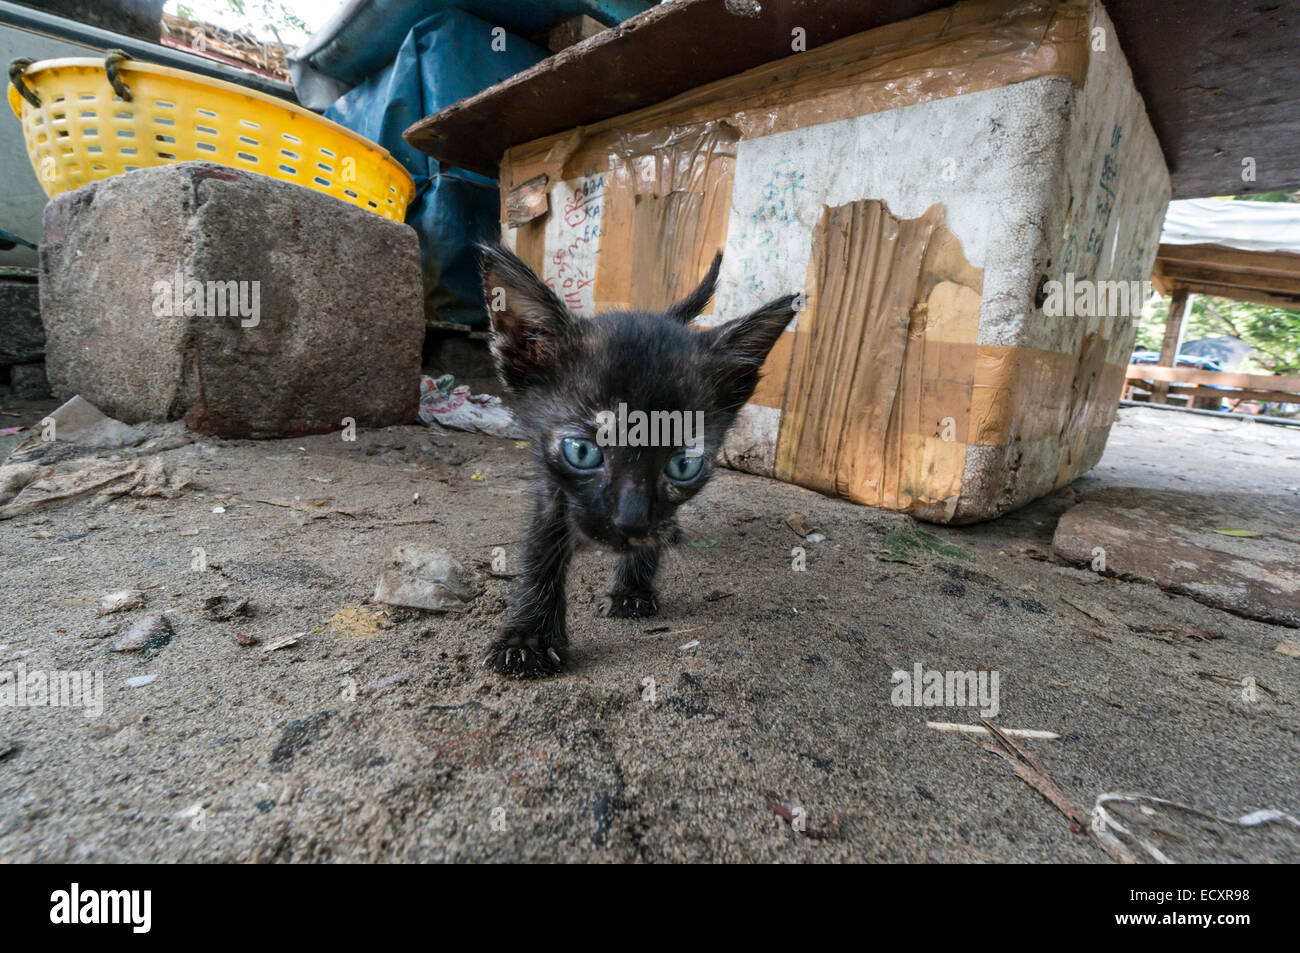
(22, 339)
(1175, 540)
(250, 307)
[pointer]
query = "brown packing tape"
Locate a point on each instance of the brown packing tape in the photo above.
(528, 200)
(1073, 393)
(530, 244)
(662, 217)
(884, 385)
(880, 357)
(775, 373)
(988, 410)
(666, 204)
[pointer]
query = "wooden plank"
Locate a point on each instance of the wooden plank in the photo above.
(1237, 396)
(1182, 272)
(1180, 390)
(1213, 95)
(1195, 375)
(1236, 293)
(1261, 277)
(1234, 260)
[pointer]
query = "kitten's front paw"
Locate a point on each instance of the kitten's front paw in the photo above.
(629, 605)
(523, 657)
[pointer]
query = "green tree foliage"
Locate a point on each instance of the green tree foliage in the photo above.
(1270, 197)
(1273, 332)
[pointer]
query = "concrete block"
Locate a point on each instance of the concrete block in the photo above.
(250, 307)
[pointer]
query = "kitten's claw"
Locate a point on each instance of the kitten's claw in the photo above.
(629, 605)
(508, 657)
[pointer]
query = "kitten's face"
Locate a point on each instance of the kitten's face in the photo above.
(620, 496)
(628, 426)
(627, 409)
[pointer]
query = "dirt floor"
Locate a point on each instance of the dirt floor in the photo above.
(378, 736)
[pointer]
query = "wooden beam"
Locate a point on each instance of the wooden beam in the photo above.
(1226, 258)
(1214, 98)
(1181, 272)
(1195, 375)
(1234, 293)
(1263, 396)
(1173, 335)
(1261, 277)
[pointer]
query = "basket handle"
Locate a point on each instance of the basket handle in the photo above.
(18, 66)
(114, 79)
(16, 69)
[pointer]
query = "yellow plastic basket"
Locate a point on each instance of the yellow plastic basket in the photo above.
(83, 132)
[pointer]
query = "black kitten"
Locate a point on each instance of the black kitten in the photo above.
(625, 412)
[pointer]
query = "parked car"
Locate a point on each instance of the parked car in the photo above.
(1184, 360)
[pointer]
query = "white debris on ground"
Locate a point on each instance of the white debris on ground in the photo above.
(447, 405)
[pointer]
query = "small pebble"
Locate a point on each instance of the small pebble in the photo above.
(120, 600)
(148, 635)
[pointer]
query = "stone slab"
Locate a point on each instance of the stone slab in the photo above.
(250, 307)
(1174, 540)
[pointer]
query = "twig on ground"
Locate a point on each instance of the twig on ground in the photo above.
(1027, 768)
(980, 730)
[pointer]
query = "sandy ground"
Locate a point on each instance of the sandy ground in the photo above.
(380, 738)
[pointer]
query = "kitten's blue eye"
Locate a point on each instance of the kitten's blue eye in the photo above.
(581, 454)
(682, 469)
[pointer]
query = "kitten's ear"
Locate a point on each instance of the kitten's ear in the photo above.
(741, 346)
(528, 320)
(694, 303)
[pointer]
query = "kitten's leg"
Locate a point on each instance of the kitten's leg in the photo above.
(534, 641)
(632, 593)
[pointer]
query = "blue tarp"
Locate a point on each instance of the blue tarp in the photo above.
(444, 58)
(364, 34)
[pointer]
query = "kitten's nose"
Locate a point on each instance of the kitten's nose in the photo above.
(632, 513)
